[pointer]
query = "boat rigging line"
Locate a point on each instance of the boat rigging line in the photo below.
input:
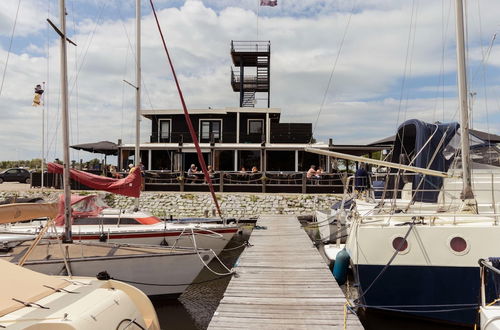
(10, 46)
(129, 44)
(201, 160)
(412, 224)
(341, 45)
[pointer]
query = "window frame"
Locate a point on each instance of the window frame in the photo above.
(200, 127)
(169, 120)
(248, 126)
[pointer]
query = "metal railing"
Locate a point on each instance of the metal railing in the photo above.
(250, 46)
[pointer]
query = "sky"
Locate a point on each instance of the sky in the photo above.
(355, 69)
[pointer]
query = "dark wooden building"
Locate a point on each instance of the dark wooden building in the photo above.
(234, 137)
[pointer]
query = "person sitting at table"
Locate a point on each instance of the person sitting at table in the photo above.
(191, 172)
(255, 169)
(311, 174)
(210, 171)
(319, 172)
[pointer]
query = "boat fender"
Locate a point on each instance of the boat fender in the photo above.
(102, 237)
(103, 276)
(341, 266)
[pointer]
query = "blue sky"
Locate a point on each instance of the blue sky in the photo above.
(397, 62)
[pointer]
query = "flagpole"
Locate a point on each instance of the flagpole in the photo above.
(137, 157)
(43, 137)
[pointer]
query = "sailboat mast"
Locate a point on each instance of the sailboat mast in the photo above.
(137, 156)
(68, 237)
(467, 193)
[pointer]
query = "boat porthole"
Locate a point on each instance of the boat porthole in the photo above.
(205, 257)
(458, 245)
(399, 242)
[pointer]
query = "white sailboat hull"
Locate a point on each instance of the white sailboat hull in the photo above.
(163, 269)
(154, 270)
(211, 236)
(428, 272)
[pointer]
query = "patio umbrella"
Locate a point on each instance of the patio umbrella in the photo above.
(102, 147)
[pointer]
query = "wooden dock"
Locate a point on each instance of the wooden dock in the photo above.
(283, 283)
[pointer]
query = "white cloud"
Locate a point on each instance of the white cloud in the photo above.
(362, 104)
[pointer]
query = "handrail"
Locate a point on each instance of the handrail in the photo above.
(434, 215)
(483, 262)
(251, 45)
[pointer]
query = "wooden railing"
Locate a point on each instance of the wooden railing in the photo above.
(291, 182)
(270, 182)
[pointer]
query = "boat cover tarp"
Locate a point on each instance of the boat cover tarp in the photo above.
(81, 206)
(495, 262)
(424, 144)
(26, 211)
(24, 285)
(128, 186)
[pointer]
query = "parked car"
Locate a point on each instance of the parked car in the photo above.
(15, 174)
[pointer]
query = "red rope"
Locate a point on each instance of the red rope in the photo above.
(188, 119)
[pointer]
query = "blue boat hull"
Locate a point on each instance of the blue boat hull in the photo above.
(418, 290)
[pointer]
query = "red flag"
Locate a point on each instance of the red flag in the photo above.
(270, 3)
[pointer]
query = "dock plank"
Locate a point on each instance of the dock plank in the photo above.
(283, 283)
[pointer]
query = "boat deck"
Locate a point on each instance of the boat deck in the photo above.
(282, 283)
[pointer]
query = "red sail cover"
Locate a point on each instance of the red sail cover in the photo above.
(129, 186)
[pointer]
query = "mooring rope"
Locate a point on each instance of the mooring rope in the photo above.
(404, 308)
(215, 255)
(170, 284)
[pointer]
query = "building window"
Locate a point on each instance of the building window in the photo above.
(255, 126)
(164, 126)
(210, 128)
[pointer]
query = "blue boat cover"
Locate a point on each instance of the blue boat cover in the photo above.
(423, 140)
(495, 262)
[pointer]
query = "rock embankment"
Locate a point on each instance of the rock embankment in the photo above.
(177, 204)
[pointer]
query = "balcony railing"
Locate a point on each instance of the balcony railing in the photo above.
(250, 82)
(250, 46)
(282, 135)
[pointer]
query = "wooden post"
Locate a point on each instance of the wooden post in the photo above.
(181, 182)
(221, 183)
(264, 182)
(304, 183)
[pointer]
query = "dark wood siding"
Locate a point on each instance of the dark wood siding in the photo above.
(280, 133)
(251, 138)
(291, 133)
(180, 129)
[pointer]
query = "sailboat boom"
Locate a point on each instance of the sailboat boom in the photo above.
(378, 162)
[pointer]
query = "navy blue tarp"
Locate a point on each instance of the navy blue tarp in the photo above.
(425, 141)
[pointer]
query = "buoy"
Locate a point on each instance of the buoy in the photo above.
(341, 266)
